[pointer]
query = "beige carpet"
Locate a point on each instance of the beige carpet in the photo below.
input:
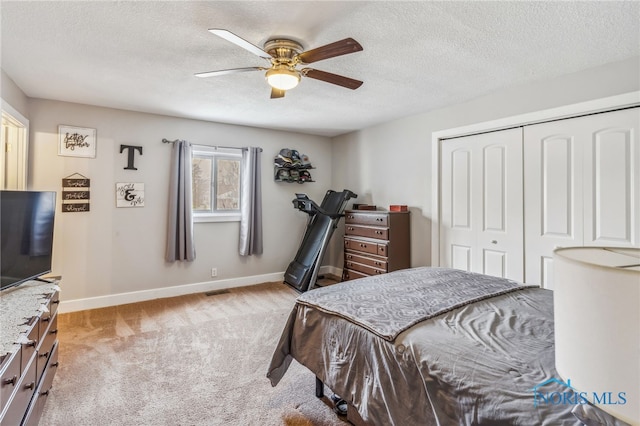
(189, 360)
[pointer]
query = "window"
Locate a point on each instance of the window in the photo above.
(216, 184)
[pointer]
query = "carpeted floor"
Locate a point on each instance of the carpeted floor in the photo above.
(190, 360)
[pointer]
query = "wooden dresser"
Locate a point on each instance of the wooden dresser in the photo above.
(29, 351)
(375, 242)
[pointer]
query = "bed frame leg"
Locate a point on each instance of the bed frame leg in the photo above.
(319, 388)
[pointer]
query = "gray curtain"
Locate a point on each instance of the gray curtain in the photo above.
(180, 223)
(251, 210)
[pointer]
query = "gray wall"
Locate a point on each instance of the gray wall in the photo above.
(391, 163)
(111, 250)
(12, 94)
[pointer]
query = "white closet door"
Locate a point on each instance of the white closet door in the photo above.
(481, 226)
(612, 180)
(581, 187)
(553, 196)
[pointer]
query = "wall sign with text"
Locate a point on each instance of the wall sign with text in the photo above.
(75, 193)
(76, 141)
(129, 194)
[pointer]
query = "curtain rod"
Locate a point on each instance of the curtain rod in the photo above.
(209, 146)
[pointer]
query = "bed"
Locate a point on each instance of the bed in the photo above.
(434, 346)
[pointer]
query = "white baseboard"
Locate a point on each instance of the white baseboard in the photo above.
(179, 290)
(160, 293)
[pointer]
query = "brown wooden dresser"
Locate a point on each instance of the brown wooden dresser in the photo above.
(29, 354)
(375, 242)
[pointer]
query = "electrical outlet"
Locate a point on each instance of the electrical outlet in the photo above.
(214, 272)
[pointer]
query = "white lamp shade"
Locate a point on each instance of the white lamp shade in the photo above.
(597, 326)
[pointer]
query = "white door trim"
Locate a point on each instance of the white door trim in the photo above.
(568, 111)
(22, 144)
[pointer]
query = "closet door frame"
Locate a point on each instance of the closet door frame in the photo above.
(626, 100)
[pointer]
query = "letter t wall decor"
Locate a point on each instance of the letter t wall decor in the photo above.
(131, 152)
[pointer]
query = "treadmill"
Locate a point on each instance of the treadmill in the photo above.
(302, 273)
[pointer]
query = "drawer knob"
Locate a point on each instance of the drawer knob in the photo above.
(44, 355)
(12, 381)
(363, 245)
(30, 385)
(54, 331)
(45, 393)
(379, 232)
(379, 219)
(350, 228)
(494, 241)
(55, 302)
(55, 364)
(47, 319)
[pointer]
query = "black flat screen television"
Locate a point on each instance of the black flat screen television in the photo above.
(26, 235)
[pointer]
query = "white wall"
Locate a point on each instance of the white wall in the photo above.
(391, 163)
(110, 251)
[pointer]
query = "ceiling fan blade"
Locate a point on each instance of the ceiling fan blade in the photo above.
(239, 41)
(340, 80)
(229, 71)
(342, 47)
(277, 93)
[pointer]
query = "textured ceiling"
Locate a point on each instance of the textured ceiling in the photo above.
(418, 56)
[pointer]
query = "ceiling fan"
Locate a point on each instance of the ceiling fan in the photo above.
(285, 55)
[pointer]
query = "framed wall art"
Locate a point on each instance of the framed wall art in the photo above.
(76, 141)
(129, 194)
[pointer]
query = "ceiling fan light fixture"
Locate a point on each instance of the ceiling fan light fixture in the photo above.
(282, 77)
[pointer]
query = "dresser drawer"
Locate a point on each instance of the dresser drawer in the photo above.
(375, 262)
(34, 413)
(361, 245)
(367, 231)
(29, 348)
(46, 346)
(377, 219)
(25, 388)
(365, 269)
(53, 303)
(349, 274)
(10, 370)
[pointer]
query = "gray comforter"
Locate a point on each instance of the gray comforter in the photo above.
(473, 360)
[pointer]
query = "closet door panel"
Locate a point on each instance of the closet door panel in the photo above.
(457, 232)
(582, 187)
(557, 210)
(500, 232)
(552, 196)
(612, 180)
(481, 218)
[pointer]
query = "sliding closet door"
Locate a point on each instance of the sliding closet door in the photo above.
(581, 187)
(481, 226)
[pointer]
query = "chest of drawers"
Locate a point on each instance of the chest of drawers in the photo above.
(375, 242)
(28, 316)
